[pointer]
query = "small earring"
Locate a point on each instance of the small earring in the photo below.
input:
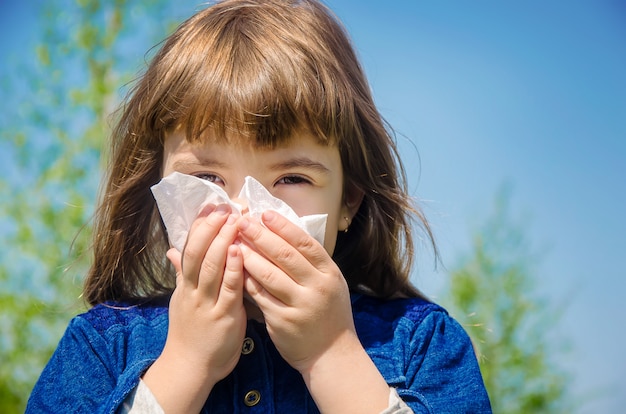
(347, 224)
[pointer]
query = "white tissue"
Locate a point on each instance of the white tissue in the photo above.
(181, 197)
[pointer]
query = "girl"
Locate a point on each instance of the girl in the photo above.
(257, 316)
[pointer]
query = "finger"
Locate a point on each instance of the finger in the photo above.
(214, 262)
(204, 213)
(287, 246)
(231, 292)
(175, 257)
(271, 278)
(310, 248)
(260, 295)
(203, 231)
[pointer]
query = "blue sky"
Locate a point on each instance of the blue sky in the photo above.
(528, 93)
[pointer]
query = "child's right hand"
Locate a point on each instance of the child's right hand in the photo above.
(207, 319)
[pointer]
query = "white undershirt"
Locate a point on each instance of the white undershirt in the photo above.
(142, 401)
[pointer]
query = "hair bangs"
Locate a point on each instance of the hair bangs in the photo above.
(246, 83)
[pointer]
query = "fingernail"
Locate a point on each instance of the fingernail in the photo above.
(268, 215)
(231, 219)
(233, 251)
(206, 210)
(223, 209)
(244, 223)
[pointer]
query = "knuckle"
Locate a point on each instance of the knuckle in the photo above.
(256, 232)
(323, 290)
(221, 241)
(266, 276)
(210, 225)
(285, 254)
(229, 285)
(281, 224)
(192, 254)
(307, 243)
(208, 267)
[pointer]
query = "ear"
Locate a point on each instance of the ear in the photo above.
(352, 199)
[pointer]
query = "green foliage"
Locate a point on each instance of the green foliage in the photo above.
(47, 200)
(54, 131)
(492, 293)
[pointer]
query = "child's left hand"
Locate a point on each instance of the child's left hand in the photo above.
(300, 290)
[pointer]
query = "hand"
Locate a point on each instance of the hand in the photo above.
(303, 296)
(207, 319)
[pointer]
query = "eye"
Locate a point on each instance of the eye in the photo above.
(293, 179)
(210, 178)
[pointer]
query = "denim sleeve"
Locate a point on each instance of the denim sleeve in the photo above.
(441, 370)
(86, 374)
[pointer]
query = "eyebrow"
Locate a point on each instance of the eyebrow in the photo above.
(297, 162)
(300, 162)
(198, 162)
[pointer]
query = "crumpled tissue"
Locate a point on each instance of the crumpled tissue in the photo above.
(181, 197)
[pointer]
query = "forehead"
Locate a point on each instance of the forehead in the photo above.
(298, 145)
(246, 138)
(271, 131)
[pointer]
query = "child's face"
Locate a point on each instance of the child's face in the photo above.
(304, 174)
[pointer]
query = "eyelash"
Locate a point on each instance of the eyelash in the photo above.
(287, 180)
(212, 178)
(294, 180)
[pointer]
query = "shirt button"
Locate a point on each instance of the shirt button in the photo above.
(248, 346)
(252, 398)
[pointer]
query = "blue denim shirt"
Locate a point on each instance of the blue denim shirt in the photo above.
(418, 348)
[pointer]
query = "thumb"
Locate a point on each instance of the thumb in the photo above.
(175, 257)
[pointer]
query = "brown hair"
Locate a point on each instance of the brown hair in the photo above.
(262, 69)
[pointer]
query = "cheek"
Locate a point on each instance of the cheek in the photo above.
(305, 203)
(332, 224)
(330, 237)
(303, 208)
(320, 201)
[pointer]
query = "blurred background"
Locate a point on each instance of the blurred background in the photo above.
(511, 122)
